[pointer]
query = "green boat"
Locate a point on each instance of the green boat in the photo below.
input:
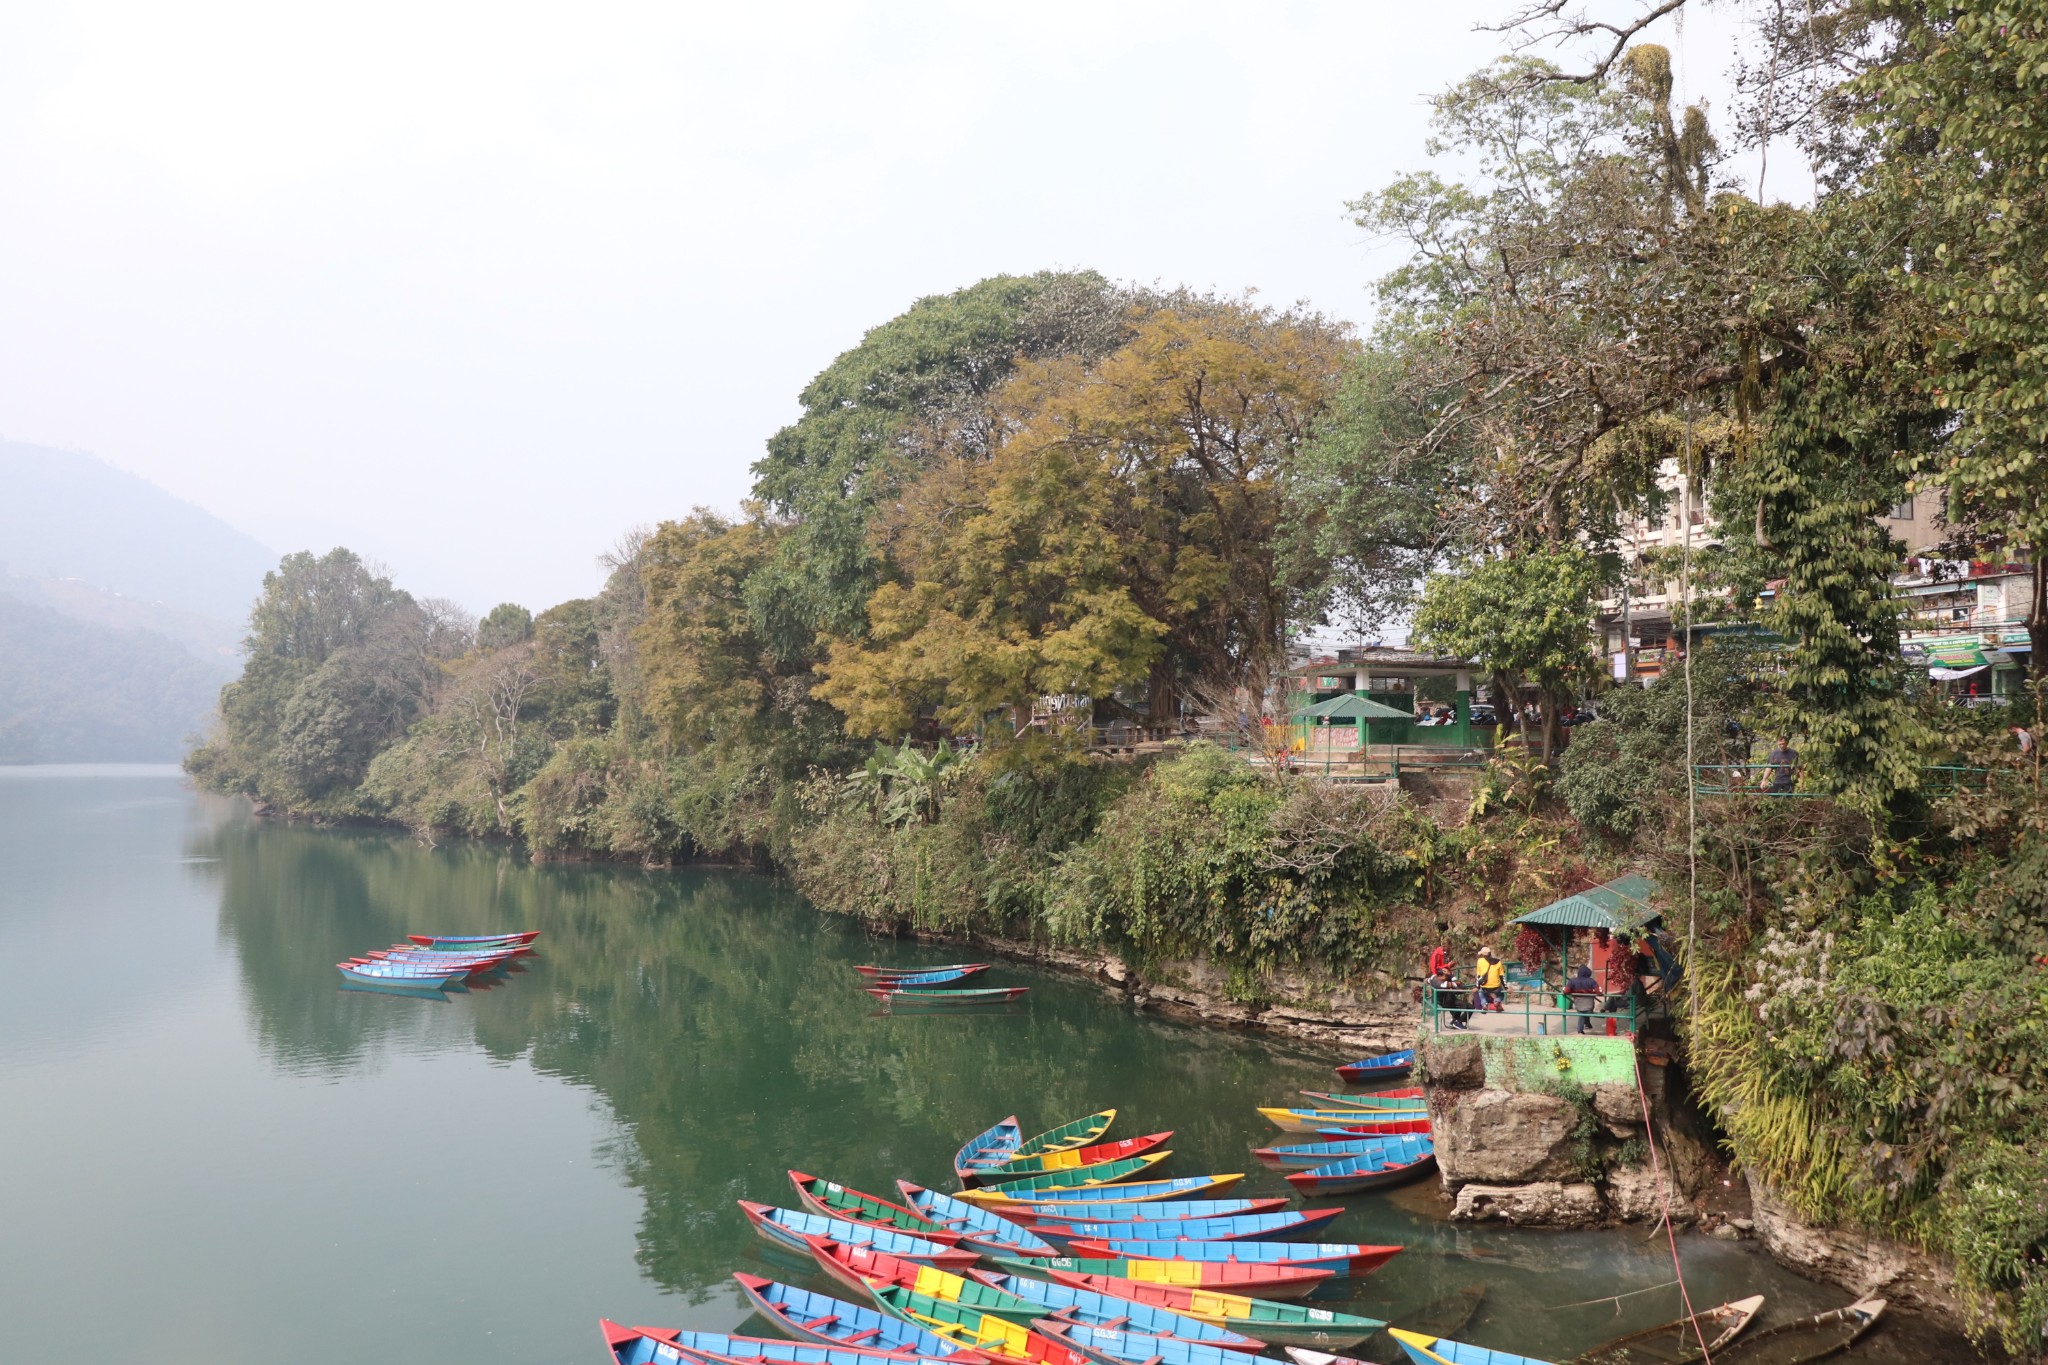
(946, 1287)
(1080, 1178)
(1066, 1137)
(835, 1200)
(971, 1327)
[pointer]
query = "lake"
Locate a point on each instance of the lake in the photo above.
(212, 1153)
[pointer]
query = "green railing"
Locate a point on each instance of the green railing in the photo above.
(1769, 779)
(1537, 1011)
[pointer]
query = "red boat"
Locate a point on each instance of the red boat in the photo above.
(1379, 1128)
(1225, 1277)
(854, 1265)
(1066, 1161)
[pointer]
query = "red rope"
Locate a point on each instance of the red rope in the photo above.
(1670, 1232)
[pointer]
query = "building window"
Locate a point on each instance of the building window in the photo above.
(1904, 511)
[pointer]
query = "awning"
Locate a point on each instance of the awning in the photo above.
(1351, 706)
(1623, 903)
(1951, 674)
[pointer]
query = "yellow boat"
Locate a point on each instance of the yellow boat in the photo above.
(1316, 1120)
(1056, 1183)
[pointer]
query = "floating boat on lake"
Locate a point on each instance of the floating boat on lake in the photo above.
(668, 1346)
(835, 1200)
(1315, 1120)
(1675, 1343)
(1425, 1350)
(1267, 1319)
(1809, 1339)
(1301, 1156)
(1401, 1159)
(975, 1226)
(1133, 1192)
(991, 1147)
(979, 995)
(1107, 1310)
(975, 1330)
(1152, 1211)
(1339, 1258)
(1274, 1281)
(1114, 1346)
(441, 942)
(1067, 1136)
(1228, 1228)
(790, 1227)
(808, 1316)
(1387, 1066)
(1370, 1126)
(399, 974)
(854, 1264)
(1080, 1178)
(1100, 1154)
(1407, 1097)
(965, 969)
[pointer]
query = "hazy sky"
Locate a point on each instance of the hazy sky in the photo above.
(475, 287)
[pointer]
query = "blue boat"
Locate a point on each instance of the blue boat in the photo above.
(1123, 1192)
(1390, 1166)
(943, 976)
(1425, 1350)
(810, 1316)
(1339, 1258)
(990, 1148)
(399, 974)
(978, 1228)
(664, 1346)
(790, 1226)
(1303, 1155)
(1103, 1310)
(1111, 1347)
(1385, 1067)
(1151, 1211)
(1229, 1228)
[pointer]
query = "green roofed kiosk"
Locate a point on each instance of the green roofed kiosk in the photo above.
(1620, 906)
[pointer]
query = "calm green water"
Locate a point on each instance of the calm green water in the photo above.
(209, 1152)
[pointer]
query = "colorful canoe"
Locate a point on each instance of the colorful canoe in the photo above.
(1678, 1340)
(1153, 1211)
(1229, 1228)
(1425, 1350)
(965, 969)
(441, 941)
(1070, 1304)
(1080, 1178)
(975, 1330)
(1067, 1136)
(1267, 1319)
(855, 1264)
(1134, 1192)
(381, 974)
(669, 1346)
(1368, 1126)
(1272, 1281)
(1301, 1156)
(1114, 1346)
(975, 1293)
(1387, 1066)
(790, 1227)
(1406, 1097)
(933, 977)
(1315, 1120)
(835, 1200)
(809, 1316)
(991, 1147)
(1339, 1258)
(975, 1226)
(976, 995)
(1402, 1159)
(1099, 1154)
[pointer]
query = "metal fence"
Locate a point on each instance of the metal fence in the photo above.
(1768, 779)
(1536, 1011)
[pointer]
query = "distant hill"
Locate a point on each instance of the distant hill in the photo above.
(75, 692)
(66, 515)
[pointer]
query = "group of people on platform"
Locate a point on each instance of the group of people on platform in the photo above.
(1605, 981)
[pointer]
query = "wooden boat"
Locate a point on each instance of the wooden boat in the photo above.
(965, 969)
(1064, 1301)
(1809, 1339)
(1114, 1346)
(1080, 1178)
(1315, 1120)
(1273, 1281)
(1387, 1066)
(1135, 1192)
(1229, 1228)
(397, 974)
(853, 1264)
(1099, 1154)
(1425, 1350)
(809, 1316)
(989, 1148)
(1407, 1097)
(669, 1346)
(1339, 1258)
(1267, 1319)
(1377, 1127)
(1151, 1211)
(978, 995)
(440, 942)
(1067, 1136)
(789, 1227)
(1302, 1156)
(975, 1330)
(1676, 1342)
(975, 1226)
(435, 962)
(1403, 1160)
(835, 1200)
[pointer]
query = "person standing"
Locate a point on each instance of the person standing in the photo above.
(1783, 760)
(1494, 980)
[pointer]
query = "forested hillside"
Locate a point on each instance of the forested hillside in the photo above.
(1055, 487)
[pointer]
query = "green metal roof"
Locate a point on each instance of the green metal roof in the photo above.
(1623, 903)
(1351, 706)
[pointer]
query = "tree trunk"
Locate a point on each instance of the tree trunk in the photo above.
(1161, 697)
(1548, 701)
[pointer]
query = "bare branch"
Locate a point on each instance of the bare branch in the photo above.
(1548, 21)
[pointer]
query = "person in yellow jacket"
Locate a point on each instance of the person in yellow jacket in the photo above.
(1492, 980)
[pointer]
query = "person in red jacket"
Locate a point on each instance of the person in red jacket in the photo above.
(1619, 976)
(1439, 956)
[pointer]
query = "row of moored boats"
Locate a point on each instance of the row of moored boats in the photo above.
(942, 987)
(432, 962)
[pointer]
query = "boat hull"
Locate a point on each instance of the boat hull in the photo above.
(1267, 1281)
(1237, 1228)
(1133, 1192)
(1341, 1259)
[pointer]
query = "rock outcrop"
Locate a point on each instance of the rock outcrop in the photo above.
(1543, 1203)
(1860, 1263)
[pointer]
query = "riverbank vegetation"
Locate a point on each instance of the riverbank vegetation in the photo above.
(1049, 501)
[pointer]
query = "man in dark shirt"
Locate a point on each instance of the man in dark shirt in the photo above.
(1783, 760)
